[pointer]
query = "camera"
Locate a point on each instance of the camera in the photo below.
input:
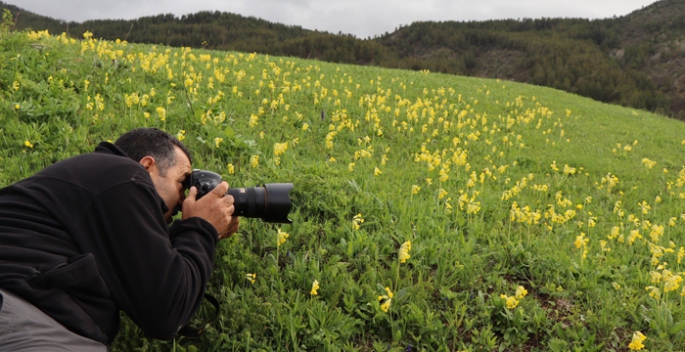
(270, 202)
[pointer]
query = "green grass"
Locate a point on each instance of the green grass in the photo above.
(447, 295)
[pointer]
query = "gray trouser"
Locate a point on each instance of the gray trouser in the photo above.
(23, 327)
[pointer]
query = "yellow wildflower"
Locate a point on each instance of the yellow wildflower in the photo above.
(415, 189)
(231, 169)
(653, 292)
(282, 236)
(357, 220)
(672, 283)
(388, 298)
(217, 141)
(315, 288)
(28, 144)
(161, 112)
(637, 343)
(511, 302)
(280, 148)
(251, 277)
(404, 251)
(634, 235)
(473, 207)
(254, 161)
(655, 276)
(181, 135)
(553, 165)
(377, 171)
(521, 292)
(254, 120)
(581, 241)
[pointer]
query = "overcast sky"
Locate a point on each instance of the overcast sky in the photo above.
(362, 18)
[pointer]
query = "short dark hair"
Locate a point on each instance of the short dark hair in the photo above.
(150, 141)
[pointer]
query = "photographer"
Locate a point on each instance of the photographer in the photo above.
(89, 236)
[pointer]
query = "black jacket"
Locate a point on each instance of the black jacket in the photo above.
(86, 237)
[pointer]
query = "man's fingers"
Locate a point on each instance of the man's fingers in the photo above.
(229, 200)
(220, 189)
(232, 228)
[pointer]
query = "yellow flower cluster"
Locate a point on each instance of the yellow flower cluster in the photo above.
(315, 288)
(357, 220)
(388, 298)
(581, 243)
(415, 189)
(513, 301)
(637, 342)
(254, 161)
(648, 163)
(404, 251)
(524, 215)
(280, 148)
(281, 237)
(609, 181)
(181, 135)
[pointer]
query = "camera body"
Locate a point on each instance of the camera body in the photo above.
(270, 202)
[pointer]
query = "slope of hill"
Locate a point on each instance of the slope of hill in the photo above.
(635, 60)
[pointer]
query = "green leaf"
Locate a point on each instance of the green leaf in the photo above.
(198, 115)
(229, 132)
(677, 327)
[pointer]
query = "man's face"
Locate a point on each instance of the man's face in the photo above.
(170, 186)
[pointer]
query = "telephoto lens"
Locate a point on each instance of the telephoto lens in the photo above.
(271, 202)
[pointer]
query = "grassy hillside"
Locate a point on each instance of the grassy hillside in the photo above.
(434, 212)
(633, 60)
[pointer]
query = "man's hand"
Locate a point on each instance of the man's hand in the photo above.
(232, 227)
(216, 207)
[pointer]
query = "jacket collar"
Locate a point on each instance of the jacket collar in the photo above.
(109, 148)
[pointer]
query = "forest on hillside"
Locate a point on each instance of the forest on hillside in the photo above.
(636, 60)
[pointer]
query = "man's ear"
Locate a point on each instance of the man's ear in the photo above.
(148, 162)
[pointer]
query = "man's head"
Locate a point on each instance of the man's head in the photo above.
(164, 157)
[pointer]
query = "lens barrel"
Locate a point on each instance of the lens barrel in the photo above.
(271, 203)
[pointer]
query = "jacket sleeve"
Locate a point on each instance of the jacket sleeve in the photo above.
(157, 281)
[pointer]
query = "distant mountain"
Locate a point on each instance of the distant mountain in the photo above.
(636, 60)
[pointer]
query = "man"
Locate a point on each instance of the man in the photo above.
(88, 236)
